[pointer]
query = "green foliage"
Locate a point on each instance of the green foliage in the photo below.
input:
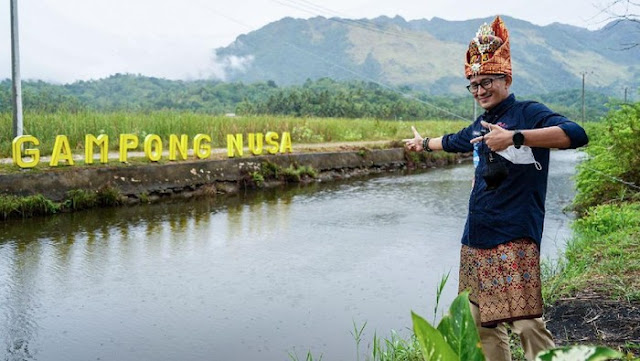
(357, 336)
(604, 255)
(258, 179)
(78, 199)
(291, 174)
(396, 348)
(611, 173)
(270, 171)
(324, 97)
(109, 197)
(38, 205)
(308, 171)
(25, 207)
(305, 134)
(309, 356)
(45, 127)
(443, 282)
(456, 337)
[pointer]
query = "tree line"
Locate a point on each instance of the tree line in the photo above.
(322, 97)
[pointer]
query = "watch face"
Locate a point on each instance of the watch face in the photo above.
(518, 139)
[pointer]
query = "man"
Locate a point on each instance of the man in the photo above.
(500, 258)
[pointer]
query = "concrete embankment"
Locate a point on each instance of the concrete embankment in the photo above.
(188, 178)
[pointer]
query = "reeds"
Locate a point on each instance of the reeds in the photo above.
(46, 126)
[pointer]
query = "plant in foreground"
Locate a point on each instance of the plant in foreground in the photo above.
(456, 339)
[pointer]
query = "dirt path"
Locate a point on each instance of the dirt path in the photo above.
(594, 320)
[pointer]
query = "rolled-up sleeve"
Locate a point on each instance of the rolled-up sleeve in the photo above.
(458, 142)
(576, 134)
(544, 117)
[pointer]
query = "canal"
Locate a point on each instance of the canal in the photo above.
(255, 276)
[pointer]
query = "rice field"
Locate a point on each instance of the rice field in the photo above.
(46, 126)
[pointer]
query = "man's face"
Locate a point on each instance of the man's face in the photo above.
(491, 89)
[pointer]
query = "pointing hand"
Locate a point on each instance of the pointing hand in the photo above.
(497, 139)
(415, 143)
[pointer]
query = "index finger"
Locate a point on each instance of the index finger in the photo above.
(486, 124)
(415, 132)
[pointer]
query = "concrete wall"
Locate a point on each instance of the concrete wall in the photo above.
(189, 176)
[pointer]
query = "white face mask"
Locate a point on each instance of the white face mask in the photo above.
(524, 155)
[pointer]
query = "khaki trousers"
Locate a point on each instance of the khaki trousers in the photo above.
(533, 333)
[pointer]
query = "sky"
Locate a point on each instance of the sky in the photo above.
(62, 41)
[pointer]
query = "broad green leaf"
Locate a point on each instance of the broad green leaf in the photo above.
(434, 347)
(459, 330)
(579, 353)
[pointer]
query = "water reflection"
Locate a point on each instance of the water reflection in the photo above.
(250, 276)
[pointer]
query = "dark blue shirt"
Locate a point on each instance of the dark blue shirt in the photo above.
(515, 209)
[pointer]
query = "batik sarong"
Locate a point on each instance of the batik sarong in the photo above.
(504, 282)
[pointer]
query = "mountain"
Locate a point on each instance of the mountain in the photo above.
(428, 55)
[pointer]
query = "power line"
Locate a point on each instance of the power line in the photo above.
(629, 184)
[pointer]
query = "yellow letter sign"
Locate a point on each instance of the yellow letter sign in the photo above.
(16, 147)
(101, 141)
(127, 141)
(61, 149)
(152, 141)
(202, 151)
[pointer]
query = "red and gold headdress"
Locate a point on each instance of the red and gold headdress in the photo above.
(489, 51)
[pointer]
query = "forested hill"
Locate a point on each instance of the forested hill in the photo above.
(322, 98)
(428, 54)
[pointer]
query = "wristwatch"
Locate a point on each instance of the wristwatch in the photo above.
(518, 139)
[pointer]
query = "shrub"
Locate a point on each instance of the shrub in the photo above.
(611, 173)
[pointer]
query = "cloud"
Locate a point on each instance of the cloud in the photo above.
(233, 64)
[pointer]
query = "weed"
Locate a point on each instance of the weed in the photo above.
(257, 179)
(78, 199)
(291, 174)
(309, 356)
(443, 282)
(12, 206)
(109, 197)
(269, 170)
(307, 170)
(144, 197)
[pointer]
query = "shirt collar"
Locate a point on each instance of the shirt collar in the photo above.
(499, 109)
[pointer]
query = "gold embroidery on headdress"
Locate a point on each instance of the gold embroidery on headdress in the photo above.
(488, 51)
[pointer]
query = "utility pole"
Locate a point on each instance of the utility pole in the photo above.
(625, 94)
(583, 73)
(15, 72)
(475, 109)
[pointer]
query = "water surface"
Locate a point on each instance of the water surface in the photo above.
(251, 277)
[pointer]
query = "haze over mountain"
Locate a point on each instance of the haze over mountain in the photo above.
(428, 54)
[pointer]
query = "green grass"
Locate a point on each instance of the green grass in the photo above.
(602, 258)
(46, 126)
(273, 172)
(38, 205)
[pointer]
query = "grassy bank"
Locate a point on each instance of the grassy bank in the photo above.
(45, 127)
(603, 258)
